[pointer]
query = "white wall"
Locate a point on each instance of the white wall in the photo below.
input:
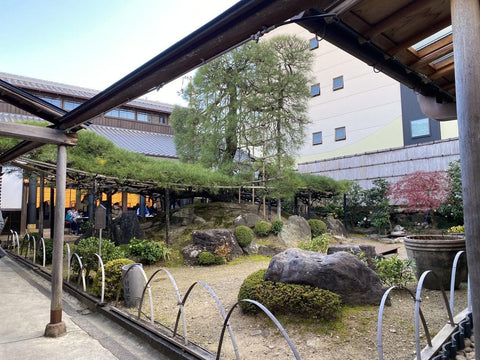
(369, 105)
(11, 198)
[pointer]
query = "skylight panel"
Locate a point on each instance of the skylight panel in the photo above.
(433, 38)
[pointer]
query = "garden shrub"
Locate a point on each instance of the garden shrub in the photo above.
(318, 244)
(113, 279)
(224, 252)
(262, 228)
(318, 227)
(149, 252)
(459, 229)
(280, 298)
(244, 235)
(277, 226)
(395, 271)
(88, 247)
(48, 251)
(206, 258)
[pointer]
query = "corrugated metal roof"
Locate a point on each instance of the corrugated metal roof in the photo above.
(148, 143)
(9, 117)
(75, 91)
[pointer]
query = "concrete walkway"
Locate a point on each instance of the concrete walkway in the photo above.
(25, 311)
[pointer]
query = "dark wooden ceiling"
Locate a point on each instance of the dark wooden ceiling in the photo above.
(383, 34)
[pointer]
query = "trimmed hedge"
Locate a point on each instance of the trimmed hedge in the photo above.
(113, 279)
(262, 228)
(318, 227)
(244, 235)
(277, 226)
(206, 258)
(280, 298)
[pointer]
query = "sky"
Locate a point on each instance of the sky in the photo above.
(94, 43)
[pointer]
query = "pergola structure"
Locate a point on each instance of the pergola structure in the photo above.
(391, 36)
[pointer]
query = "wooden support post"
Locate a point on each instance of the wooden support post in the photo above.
(57, 327)
(167, 215)
(124, 202)
(41, 215)
(23, 212)
(465, 25)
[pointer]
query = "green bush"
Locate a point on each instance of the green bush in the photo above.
(244, 235)
(113, 279)
(88, 247)
(394, 271)
(149, 252)
(206, 258)
(262, 228)
(48, 251)
(318, 227)
(280, 298)
(318, 244)
(277, 226)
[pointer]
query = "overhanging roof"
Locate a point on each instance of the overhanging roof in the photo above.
(379, 32)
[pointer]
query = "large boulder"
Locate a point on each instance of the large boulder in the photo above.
(249, 219)
(125, 228)
(336, 227)
(210, 240)
(369, 252)
(183, 216)
(295, 230)
(341, 273)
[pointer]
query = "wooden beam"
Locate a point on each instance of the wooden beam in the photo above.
(465, 25)
(442, 24)
(396, 17)
(434, 55)
(443, 71)
(38, 134)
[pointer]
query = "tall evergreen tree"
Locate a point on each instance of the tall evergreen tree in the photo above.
(252, 100)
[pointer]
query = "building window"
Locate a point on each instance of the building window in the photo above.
(70, 105)
(127, 114)
(142, 116)
(55, 102)
(112, 113)
(313, 43)
(317, 138)
(420, 127)
(340, 134)
(338, 83)
(315, 90)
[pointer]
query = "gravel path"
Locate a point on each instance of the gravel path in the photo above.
(353, 337)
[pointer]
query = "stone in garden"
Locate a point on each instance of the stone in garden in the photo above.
(368, 250)
(295, 230)
(126, 228)
(336, 227)
(398, 231)
(251, 249)
(210, 240)
(341, 273)
(249, 219)
(183, 216)
(270, 249)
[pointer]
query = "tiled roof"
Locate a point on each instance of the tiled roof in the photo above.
(143, 142)
(9, 117)
(75, 91)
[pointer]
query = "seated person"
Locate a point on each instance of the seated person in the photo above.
(147, 213)
(71, 218)
(116, 211)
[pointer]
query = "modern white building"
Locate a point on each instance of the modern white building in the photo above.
(365, 125)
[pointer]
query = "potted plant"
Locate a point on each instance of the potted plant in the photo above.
(424, 191)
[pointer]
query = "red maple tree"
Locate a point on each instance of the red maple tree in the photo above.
(420, 190)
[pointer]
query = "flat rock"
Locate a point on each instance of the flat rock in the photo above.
(341, 273)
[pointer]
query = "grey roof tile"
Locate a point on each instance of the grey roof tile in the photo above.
(143, 142)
